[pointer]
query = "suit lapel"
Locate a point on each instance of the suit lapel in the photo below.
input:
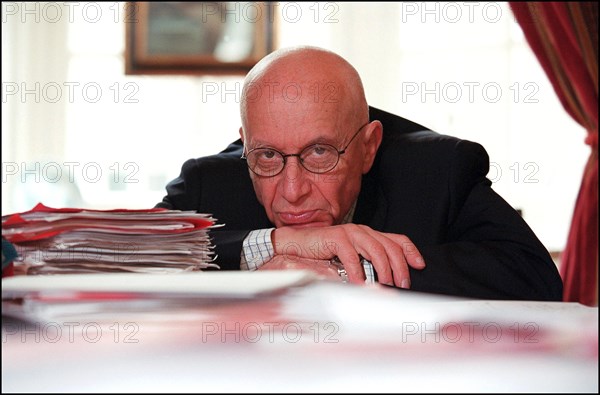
(371, 208)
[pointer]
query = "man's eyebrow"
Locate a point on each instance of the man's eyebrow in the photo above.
(317, 140)
(261, 144)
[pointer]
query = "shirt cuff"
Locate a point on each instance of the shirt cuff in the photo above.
(369, 272)
(256, 249)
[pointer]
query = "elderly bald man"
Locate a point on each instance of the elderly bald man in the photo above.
(319, 177)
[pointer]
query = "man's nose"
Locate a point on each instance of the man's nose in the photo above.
(294, 183)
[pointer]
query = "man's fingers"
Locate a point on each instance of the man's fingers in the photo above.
(352, 265)
(378, 254)
(393, 254)
(397, 269)
(411, 252)
(390, 254)
(367, 242)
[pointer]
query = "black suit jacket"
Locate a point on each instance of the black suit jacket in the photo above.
(430, 187)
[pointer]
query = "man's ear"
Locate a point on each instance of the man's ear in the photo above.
(373, 137)
(242, 134)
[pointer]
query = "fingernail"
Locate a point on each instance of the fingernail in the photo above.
(420, 261)
(405, 284)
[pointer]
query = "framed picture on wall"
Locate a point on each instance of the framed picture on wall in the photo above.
(197, 37)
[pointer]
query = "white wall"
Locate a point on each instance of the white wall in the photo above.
(418, 60)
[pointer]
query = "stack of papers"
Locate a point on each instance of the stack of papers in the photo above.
(105, 297)
(71, 240)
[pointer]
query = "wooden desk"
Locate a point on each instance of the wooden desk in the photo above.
(320, 336)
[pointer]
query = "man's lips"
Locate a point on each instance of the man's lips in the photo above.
(298, 217)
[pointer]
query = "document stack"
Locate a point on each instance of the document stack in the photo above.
(71, 240)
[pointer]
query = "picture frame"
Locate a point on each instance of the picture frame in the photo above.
(197, 37)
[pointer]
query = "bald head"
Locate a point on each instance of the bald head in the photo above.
(305, 75)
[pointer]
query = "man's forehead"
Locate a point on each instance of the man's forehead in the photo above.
(293, 89)
(302, 119)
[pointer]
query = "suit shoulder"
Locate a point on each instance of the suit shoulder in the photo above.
(428, 146)
(225, 161)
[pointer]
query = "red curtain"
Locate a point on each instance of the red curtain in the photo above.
(564, 37)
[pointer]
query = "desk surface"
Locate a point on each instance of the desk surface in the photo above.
(313, 336)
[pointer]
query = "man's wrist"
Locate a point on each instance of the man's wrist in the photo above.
(278, 239)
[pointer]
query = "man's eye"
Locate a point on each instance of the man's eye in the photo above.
(317, 150)
(320, 150)
(267, 154)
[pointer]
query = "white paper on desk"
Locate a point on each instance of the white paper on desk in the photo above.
(376, 314)
(230, 284)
